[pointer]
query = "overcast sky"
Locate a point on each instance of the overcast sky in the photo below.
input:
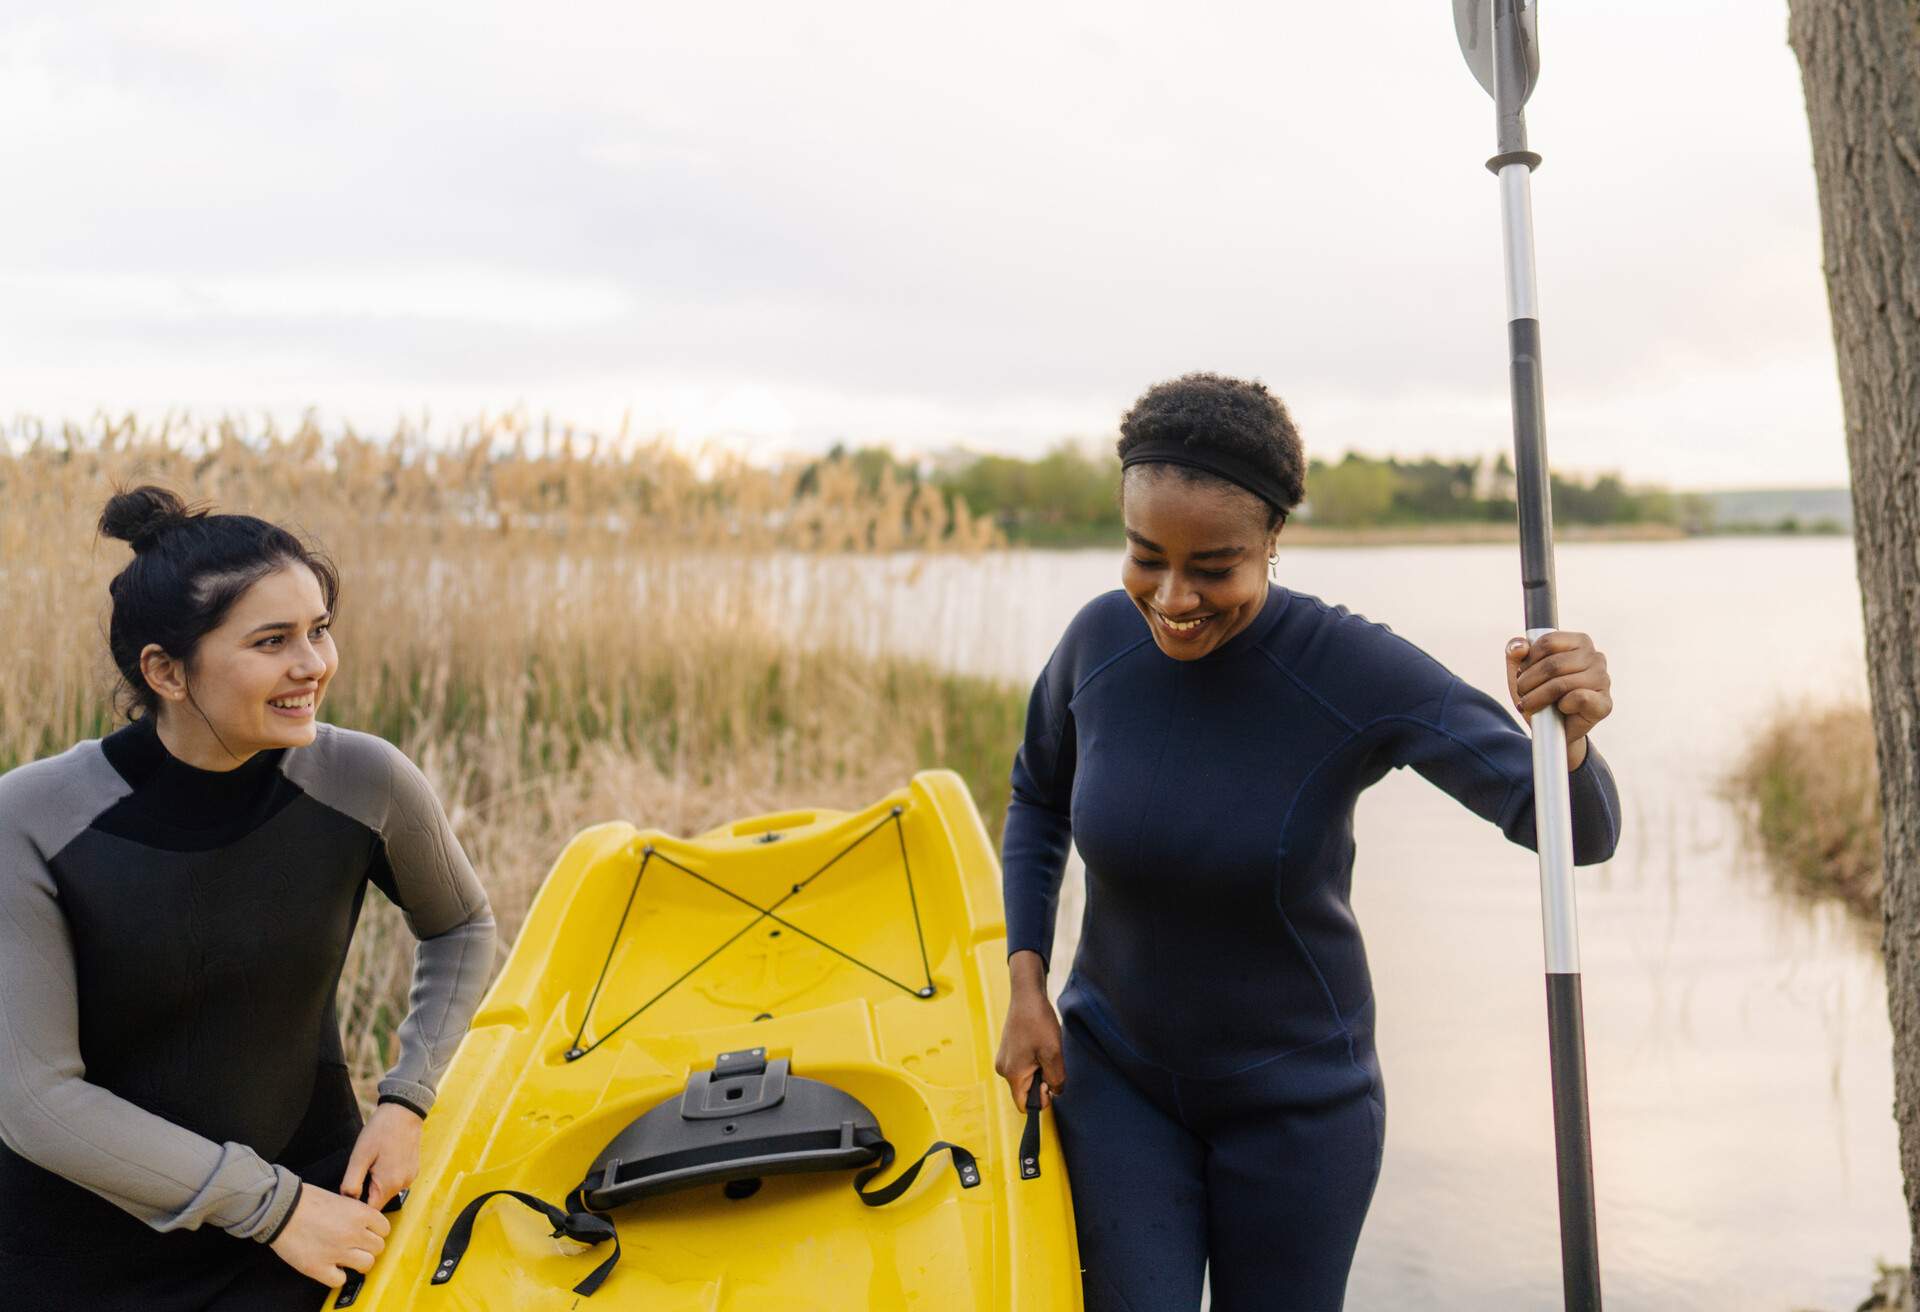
(781, 225)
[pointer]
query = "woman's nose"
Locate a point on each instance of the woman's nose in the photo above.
(1172, 596)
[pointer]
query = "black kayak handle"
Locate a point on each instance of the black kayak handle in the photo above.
(1030, 1137)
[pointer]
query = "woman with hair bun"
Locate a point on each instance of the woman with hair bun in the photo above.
(177, 1129)
(1203, 735)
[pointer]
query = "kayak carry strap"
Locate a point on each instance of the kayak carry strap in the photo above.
(964, 1165)
(1030, 1137)
(574, 1222)
(746, 1118)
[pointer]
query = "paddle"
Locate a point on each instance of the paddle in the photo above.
(1500, 41)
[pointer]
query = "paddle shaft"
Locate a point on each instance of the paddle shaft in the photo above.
(1552, 805)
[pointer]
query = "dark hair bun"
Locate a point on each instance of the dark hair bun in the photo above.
(140, 516)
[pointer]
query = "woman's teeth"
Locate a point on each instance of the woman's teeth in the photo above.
(1184, 626)
(304, 702)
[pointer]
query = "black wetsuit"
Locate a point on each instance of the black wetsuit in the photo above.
(1223, 1101)
(170, 1062)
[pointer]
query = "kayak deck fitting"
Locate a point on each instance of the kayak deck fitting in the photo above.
(850, 969)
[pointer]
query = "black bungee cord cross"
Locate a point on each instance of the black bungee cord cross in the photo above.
(650, 853)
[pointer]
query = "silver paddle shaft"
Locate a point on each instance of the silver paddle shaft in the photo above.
(1552, 802)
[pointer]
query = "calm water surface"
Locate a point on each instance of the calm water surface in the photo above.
(1737, 1042)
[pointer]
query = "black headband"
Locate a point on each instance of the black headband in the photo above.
(1241, 473)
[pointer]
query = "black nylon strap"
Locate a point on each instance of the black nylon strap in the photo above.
(964, 1165)
(579, 1224)
(1030, 1137)
(350, 1290)
(575, 1222)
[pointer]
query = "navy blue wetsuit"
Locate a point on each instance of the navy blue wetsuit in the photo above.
(1223, 1102)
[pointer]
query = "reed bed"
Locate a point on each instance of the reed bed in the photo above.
(1811, 786)
(559, 629)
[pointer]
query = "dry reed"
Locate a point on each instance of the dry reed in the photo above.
(1813, 792)
(559, 629)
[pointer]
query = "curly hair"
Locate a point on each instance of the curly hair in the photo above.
(1230, 415)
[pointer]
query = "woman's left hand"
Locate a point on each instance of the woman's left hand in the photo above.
(386, 1156)
(1564, 670)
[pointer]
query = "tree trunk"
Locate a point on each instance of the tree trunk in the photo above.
(1860, 66)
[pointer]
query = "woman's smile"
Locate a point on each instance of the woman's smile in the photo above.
(1181, 629)
(295, 706)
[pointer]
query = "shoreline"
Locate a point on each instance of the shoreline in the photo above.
(1438, 535)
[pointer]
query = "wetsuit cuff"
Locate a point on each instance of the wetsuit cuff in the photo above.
(398, 1101)
(416, 1098)
(286, 1197)
(1585, 761)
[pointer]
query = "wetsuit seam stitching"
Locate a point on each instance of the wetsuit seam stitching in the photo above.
(1338, 1031)
(1457, 741)
(1104, 666)
(1309, 690)
(1179, 1104)
(1319, 977)
(1110, 1028)
(1293, 803)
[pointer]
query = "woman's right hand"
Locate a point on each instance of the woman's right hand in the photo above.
(1030, 1043)
(328, 1235)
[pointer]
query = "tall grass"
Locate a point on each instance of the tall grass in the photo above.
(1812, 789)
(559, 629)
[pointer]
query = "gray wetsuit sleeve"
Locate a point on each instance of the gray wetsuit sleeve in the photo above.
(160, 1172)
(447, 910)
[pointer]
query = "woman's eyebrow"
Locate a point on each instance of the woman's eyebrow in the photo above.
(1211, 553)
(276, 625)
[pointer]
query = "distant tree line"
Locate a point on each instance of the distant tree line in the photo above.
(1361, 492)
(1068, 496)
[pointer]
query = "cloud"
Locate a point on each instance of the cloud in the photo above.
(887, 223)
(474, 295)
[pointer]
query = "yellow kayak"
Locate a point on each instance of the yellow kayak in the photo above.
(699, 1046)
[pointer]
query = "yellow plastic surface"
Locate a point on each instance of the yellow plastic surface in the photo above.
(514, 1113)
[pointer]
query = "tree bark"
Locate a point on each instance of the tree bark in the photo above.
(1860, 67)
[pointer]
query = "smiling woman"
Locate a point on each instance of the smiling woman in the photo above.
(176, 903)
(1203, 736)
(1204, 518)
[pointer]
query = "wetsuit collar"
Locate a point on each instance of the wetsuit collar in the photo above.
(186, 796)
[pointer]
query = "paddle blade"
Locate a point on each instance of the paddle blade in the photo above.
(1473, 23)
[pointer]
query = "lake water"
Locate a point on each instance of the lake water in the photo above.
(1737, 1042)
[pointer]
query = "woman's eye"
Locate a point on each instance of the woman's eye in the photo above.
(1213, 573)
(271, 641)
(1145, 564)
(322, 632)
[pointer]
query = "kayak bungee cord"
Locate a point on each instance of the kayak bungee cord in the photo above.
(576, 1051)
